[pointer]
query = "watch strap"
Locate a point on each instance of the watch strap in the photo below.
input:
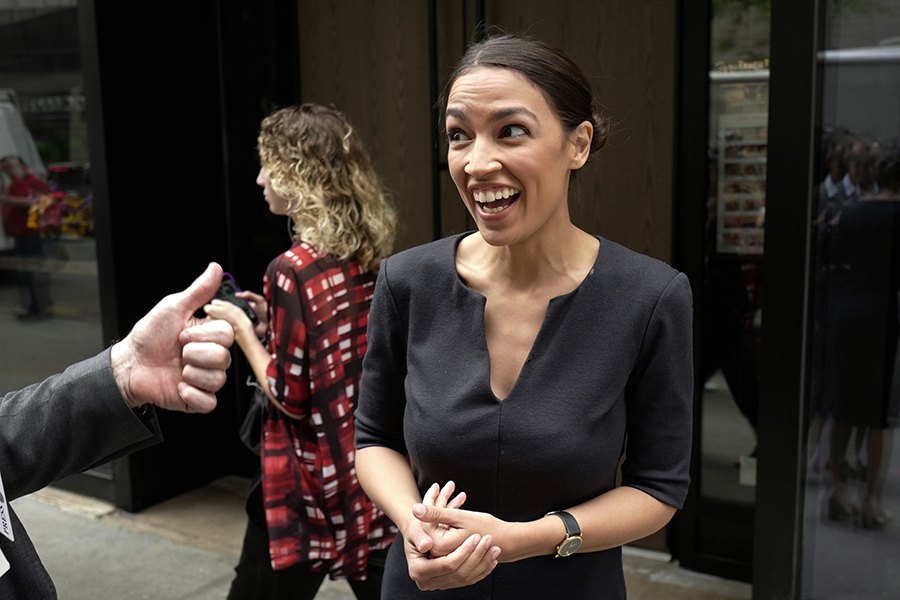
(572, 527)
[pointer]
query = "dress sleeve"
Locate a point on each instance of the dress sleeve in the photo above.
(659, 400)
(288, 371)
(382, 400)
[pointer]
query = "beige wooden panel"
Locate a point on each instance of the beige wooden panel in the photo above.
(370, 59)
(627, 50)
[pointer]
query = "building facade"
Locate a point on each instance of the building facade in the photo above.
(754, 146)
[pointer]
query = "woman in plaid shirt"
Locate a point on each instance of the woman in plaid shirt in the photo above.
(308, 516)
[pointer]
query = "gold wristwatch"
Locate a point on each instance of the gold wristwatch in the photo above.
(572, 542)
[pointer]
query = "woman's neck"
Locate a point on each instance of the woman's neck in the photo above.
(538, 260)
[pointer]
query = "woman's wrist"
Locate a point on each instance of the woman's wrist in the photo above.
(245, 335)
(521, 540)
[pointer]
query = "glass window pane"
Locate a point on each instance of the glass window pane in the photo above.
(49, 299)
(853, 472)
(732, 285)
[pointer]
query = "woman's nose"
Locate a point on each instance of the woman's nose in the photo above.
(261, 178)
(482, 159)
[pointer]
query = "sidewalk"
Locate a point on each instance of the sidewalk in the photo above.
(185, 549)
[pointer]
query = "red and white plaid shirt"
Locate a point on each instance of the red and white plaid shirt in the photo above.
(315, 508)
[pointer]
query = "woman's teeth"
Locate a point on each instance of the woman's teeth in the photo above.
(495, 201)
(486, 197)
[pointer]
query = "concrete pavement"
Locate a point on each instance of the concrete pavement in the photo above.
(186, 548)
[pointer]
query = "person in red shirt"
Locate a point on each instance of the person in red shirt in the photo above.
(23, 190)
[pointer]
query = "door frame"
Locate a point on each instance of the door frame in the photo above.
(708, 535)
(794, 112)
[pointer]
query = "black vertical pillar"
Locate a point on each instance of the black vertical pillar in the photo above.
(793, 114)
(689, 218)
(157, 163)
(175, 93)
(259, 71)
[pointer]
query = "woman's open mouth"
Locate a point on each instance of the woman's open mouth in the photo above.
(496, 201)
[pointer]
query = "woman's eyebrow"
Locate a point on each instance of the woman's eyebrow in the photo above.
(456, 113)
(504, 113)
(497, 115)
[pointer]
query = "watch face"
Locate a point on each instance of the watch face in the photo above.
(569, 546)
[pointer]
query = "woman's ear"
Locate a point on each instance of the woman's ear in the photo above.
(580, 138)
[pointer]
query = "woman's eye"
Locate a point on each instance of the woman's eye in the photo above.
(456, 135)
(513, 131)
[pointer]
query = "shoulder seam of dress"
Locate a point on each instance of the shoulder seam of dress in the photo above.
(662, 293)
(390, 293)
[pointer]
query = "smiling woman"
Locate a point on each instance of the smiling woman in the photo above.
(505, 137)
(514, 362)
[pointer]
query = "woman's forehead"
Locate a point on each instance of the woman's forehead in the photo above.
(483, 86)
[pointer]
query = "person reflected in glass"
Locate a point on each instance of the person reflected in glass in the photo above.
(511, 369)
(860, 337)
(23, 190)
(731, 318)
(832, 195)
(308, 516)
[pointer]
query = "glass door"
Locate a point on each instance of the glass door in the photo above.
(852, 484)
(729, 216)
(824, 349)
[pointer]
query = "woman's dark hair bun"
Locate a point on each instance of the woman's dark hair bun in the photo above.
(601, 131)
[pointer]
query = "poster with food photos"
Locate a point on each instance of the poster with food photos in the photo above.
(741, 208)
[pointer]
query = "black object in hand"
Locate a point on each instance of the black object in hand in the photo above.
(228, 292)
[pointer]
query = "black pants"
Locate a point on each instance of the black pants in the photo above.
(34, 284)
(254, 578)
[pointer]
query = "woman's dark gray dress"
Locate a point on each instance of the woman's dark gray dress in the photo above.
(612, 360)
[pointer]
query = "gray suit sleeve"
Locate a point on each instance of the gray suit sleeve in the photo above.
(66, 424)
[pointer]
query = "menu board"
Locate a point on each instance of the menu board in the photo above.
(741, 209)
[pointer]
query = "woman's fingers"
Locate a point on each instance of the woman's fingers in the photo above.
(442, 497)
(471, 562)
(445, 493)
(482, 561)
(458, 501)
(430, 495)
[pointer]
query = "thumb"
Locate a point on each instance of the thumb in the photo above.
(202, 290)
(430, 514)
(416, 536)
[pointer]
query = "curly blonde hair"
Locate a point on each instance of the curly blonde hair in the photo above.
(335, 199)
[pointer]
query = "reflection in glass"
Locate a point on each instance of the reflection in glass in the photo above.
(49, 293)
(730, 313)
(851, 538)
